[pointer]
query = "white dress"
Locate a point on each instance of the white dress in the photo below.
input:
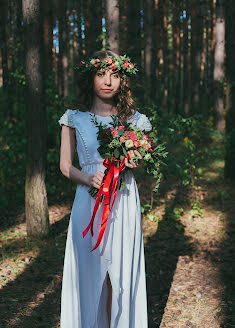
(120, 253)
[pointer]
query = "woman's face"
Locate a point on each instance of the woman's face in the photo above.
(106, 84)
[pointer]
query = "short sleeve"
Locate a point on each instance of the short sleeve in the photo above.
(67, 118)
(143, 123)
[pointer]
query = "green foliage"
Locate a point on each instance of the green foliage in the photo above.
(187, 141)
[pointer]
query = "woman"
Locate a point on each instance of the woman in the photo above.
(106, 287)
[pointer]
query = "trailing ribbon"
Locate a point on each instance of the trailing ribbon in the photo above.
(109, 186)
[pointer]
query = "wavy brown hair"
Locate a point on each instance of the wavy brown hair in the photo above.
(125, 104)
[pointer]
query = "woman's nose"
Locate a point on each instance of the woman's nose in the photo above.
(107, 79)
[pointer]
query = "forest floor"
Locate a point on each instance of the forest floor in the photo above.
(189, 237)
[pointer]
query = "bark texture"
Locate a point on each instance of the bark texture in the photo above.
(36, 207)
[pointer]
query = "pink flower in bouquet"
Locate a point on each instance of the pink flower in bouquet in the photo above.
(126, 64)
(145, 137)
(114, 133)
(120, 127)
(137, 143)
(122, 139)
(82, 62)
(108, 130)
(130, 135)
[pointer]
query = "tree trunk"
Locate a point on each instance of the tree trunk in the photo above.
(36, 208)
(156, 54)
(47, 35)
(63, 50)
(187, 66)
(112, 25)
(134, 31)
(3, 36)
(175, 78)
(148, 49)
(123, 26)
(219, 56)
(93, 25)
(230, 72)
(196, 50)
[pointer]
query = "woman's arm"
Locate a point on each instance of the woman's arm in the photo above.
(68, 144)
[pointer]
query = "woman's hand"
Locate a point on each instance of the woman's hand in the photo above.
(134, 164)
(94, 180)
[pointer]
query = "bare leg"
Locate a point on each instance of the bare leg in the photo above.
(109, 302)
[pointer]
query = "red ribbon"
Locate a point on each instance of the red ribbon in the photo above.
(109, 186)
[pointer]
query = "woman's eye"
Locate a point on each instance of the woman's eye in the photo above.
(100, 74)
(115, 75)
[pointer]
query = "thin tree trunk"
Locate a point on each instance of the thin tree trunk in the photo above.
(47, 35)
(186, 67)
(219, 67)
(156, 52)
(36, 207)
(93, 25)
(4, 50)
(63, 50)
(123, 26)
(148, 51)
(176, 55)
(134, 31)
(112, 25)
(230, 72)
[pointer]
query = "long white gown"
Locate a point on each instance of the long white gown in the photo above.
(120, 253)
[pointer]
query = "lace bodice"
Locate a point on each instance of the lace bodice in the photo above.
(86, 132)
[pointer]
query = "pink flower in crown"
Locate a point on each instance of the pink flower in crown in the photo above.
(112, 66)
(132, 65)
(114, 133)
(122, 139)
(126, 64)
(109, 61)
(96, 61)
(82, 62)
(137, 143)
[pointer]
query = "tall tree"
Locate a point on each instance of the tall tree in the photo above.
(36, 207)
(112, 25)
(219, 56)
(123, 26)
(186, 61)
(63, 49)
(134, 31)
(176, 54)
(3, 38)
(148, 49)
(230, 73)
(196, 51)
(47, 35)
(93, 25)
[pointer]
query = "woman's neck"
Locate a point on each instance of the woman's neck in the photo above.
(103, 107)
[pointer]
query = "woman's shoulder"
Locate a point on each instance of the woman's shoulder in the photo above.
(141, 121)
(72, 116)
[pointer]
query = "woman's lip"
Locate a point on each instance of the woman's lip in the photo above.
(106, 89)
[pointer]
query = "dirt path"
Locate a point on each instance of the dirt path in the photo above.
(190, 254)
(189, 251)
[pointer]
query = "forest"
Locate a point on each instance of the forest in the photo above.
(184, 51)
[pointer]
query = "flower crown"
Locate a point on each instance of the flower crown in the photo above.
(122, 64)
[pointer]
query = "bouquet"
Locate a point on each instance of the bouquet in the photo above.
(115, 142)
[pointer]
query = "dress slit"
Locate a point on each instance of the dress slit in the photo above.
(101, 320)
